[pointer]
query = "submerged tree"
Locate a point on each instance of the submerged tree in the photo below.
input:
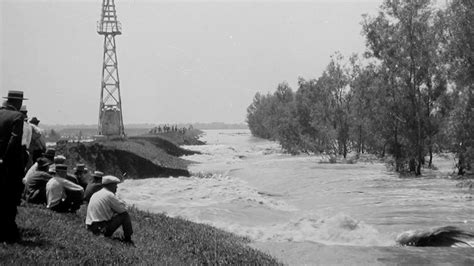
(335, 81)
(320, 112)
(460, 57)
(366, 112)
(285, 127)
(272, 117)
(401, 38)
(257, 116)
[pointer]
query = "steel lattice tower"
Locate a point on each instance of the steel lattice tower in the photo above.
(110, 109)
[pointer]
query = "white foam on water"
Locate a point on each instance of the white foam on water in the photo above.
(231, 204)
(334, 230)
(219, 153)
(186, 192)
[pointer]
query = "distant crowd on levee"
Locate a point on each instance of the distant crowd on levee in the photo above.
(31, 173)
(167, 128)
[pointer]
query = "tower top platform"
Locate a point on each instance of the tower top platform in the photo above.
(108, 23)
(109, 27)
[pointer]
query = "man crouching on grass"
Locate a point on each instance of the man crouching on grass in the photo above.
(106, 212)
(63, 195)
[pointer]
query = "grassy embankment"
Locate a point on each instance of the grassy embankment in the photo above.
(52, 238)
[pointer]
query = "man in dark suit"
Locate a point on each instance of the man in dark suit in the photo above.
(11, 164)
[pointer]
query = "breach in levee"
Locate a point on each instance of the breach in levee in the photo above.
(445, 236)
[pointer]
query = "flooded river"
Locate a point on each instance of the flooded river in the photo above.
(306, 212)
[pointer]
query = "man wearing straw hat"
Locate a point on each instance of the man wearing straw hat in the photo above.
(11, 164)
(63, 195)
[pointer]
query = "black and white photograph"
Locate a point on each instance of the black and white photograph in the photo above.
(237, 132)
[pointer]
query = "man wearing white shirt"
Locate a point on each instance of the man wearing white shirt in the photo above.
(27, 130)
(106, 212)
(63, 195)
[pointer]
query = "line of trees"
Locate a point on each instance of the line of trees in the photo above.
(409, 96)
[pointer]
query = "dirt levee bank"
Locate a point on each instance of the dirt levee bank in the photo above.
(139, 157)
(189, 137)
(168, 146)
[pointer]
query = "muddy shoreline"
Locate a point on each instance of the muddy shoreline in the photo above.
(136, 157)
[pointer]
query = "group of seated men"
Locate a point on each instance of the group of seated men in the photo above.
(48, 182)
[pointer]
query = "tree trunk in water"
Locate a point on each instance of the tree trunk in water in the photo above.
(345, 150)
(418, 167)
(360, 149)
(430, 163)
(397, 151)
(412, 165)
(461, 164)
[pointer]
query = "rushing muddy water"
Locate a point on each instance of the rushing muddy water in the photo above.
(304, 211)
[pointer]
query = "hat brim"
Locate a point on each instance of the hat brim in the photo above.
(110, 183)
(16, 98)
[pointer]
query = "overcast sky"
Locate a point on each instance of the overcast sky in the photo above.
(179, 62)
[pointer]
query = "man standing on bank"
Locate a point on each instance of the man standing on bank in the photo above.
(26, 139)
(106, 212)
(38, 141)
(11, 165)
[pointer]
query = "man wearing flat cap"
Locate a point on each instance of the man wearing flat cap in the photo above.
(106, 212)
(11, 164)
(63, 195)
